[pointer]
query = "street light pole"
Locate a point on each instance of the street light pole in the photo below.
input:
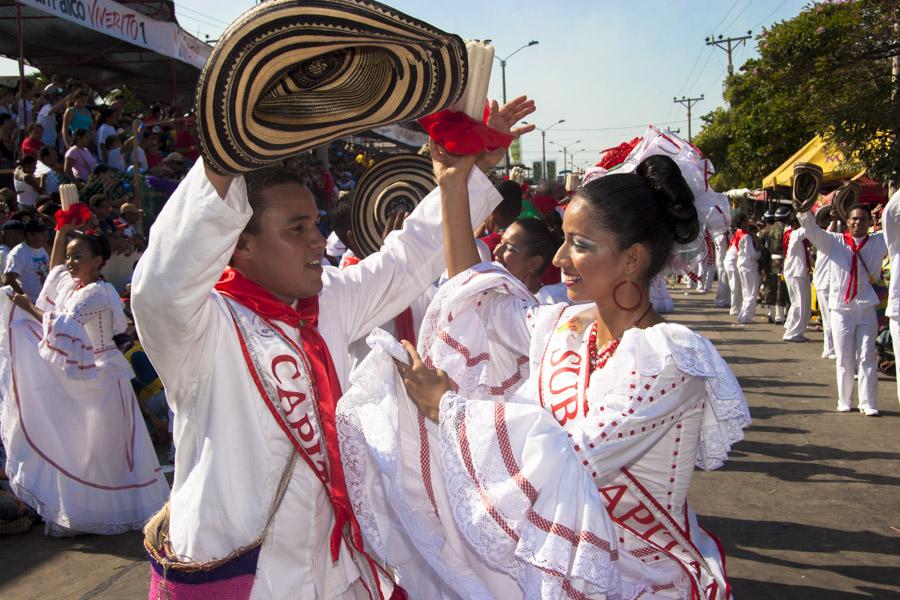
(544, 144)
(565, 149)
(503, 75)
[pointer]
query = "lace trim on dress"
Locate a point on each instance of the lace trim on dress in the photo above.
(375, 446)
(558, 543)
(725, 412)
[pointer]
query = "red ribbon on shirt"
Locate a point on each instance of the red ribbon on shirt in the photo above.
(853, 284)
(738, 234)
(305, 317)
(402, 322)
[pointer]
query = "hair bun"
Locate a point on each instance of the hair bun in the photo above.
(673, 194)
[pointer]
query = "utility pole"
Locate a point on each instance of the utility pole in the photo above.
(503, 73)
(565, 149)
(728, 45)
(689, 103)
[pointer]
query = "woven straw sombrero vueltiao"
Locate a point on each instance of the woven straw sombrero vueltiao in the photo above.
(291, 75)
(396, 183)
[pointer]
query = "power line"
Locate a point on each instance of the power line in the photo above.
(622, 126)
(766, 18)
(743, 10)
(197, 12)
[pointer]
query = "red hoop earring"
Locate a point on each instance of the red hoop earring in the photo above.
(640, 295)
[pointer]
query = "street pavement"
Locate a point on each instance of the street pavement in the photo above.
(808, 507)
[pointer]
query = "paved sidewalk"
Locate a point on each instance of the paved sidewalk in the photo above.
(808, 507)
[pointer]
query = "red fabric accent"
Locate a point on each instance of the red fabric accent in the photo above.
(738, 235)
(617, 154)
(404, 325)
(349, 260)
(31, 147)
(77, 214)
(853, 284)
(325, 379)
(544, 203)
(492, 240)
(551, 275)
(785, 241)
(461, 134)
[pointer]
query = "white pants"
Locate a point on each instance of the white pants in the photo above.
(825, 317)
(801, 307)
(854, 331)
(723, 292)
(749, 291)
(734, 287)
(705, 272)
(895, 341)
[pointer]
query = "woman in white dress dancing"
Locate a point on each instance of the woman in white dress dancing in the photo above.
(77, 448)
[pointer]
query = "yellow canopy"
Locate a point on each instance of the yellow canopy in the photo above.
(816, 152)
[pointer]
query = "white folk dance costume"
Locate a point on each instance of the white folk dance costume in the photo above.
(890, 222)
(852, 302)
(797, 265)
(718, 225)
(77, 448)
(746, 274)
(232, 448)
(574, 488)
(659, 295)
(821, 281)
(729, 265)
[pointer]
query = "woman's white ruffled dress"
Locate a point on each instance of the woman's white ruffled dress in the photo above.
(78, 450)
(502, 499)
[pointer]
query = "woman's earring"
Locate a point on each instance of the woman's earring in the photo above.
(640, 299)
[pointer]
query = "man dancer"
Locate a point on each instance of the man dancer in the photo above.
(855, 257)
(797, 263)
(254, 365)
(729, 263)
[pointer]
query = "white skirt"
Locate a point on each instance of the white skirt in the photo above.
(78, 452)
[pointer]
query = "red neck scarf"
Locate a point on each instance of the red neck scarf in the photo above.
(738, 234)
(853, 284)
(328, 387)
(786, 241)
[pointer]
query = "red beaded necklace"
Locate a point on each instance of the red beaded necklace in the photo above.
(600, 356)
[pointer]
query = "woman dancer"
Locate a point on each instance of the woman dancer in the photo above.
(577, 486)
(78, 450)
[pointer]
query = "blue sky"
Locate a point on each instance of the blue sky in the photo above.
(607, 67)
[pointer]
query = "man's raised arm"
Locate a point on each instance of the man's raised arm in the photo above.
(190, 245)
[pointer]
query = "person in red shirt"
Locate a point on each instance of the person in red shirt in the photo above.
(185, 142)
(32, 143)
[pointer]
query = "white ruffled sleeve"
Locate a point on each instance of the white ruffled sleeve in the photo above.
(57, 278)
(66, 345)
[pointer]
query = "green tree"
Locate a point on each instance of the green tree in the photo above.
(827, 71)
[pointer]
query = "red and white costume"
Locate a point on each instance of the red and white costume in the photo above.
(77, 447)
(797, 266)
(852, 301)
(747, 273)
(574, 486)
(231, 447)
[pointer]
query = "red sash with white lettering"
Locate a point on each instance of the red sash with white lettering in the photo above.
(282, 374)
(563, 380)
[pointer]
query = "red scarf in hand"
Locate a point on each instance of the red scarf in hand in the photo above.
(325, 380)
(402, 322)
(853, 284)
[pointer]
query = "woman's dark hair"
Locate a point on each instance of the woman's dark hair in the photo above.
(98, 243)
(652, 206)
(27, 160)
(539, 240)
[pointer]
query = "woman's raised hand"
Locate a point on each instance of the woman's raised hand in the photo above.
(502, 119)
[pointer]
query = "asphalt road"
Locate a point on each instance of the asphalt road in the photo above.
(807, 507)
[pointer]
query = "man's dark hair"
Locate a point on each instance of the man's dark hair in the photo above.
(511, 205)
(861, 207)
(339, 218)
(260, 180)
(45, 151)
(96, 200)
(539, 240)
